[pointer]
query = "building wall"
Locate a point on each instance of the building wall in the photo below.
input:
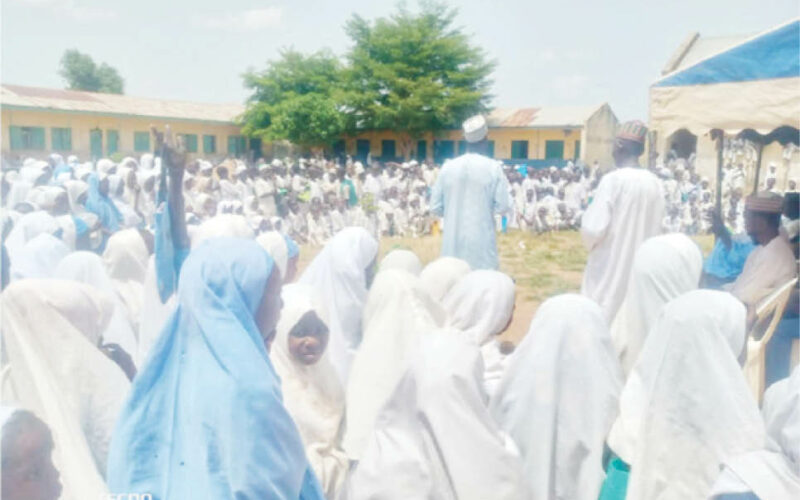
(81, 125)
(502, 138)
(598, 137)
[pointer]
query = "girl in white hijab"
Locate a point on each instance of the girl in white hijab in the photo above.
(341, 273)
(401, 259)
(154, 313)
(558, 399)
(311, 390)
(434, 438)
(28, 227)
(125, 258)
(481, 306)
(275, 245)
(398, 312)
(686, 406)
(88, 268)
(38, 258)
(52, 366)
(772, 472)
(223, 225)
(664, 267)
(442, 274)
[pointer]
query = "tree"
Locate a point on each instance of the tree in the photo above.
(81, 73)
(413, 73)
(297, 98)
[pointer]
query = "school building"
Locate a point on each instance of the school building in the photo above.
(538, 137)
(37, 121)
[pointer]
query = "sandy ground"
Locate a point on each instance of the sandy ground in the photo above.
(541, 265)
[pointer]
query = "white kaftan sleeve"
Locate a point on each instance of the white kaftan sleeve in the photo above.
(597, 217)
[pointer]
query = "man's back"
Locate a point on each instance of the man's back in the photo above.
(628, 208)
(468, 191)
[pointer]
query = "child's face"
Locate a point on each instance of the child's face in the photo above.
(28, 470)
(308, 339)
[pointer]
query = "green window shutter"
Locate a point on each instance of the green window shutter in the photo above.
(443, 150)
(519, 150)
(577, 149)
(37, 138)
(462, 147)
(15, 134)
(388, 149)
(554, 150)
(190, 142)
(61, 139)
(232, 145)
(112, 141)
(422, 150)
(209, 144)
(242, 145)
(141, 142)
(491, 149)
(362, 149)
(96, 143)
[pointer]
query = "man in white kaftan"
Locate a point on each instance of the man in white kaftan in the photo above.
(772, 262)
(628, 208)
(470, 189)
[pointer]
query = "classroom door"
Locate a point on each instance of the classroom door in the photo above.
(96, 144)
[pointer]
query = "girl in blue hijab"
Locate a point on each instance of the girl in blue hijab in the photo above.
(98, 202)
(205, 418)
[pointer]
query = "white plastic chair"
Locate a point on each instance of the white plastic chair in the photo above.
(768, 315)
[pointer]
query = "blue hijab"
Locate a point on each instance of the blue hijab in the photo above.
(101, 205)
(205, 417)
(291, 246)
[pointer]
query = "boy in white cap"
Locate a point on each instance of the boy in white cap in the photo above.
(468, 192)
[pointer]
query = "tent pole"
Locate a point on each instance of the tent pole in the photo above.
(759, 152)
(720, 145)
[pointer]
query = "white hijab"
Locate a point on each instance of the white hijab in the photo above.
(18, 193)
(53, 367)
(87, 267)
(442, 274)
(275, 245)
(664, 268)
(154, 313)
(402, 259)
(38, 258)
(559, 397)
(434, 438)
(311, 393)
(773, 472)
(338, 273)
(480, 305)
(125, 259)
(223, 226)
(686, 406)
(28, 227)
(398, 312)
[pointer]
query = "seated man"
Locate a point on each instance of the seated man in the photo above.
(772, 262)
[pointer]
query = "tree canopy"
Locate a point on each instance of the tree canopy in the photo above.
(414, 72)
(297, 99)
(411, 72)
(81, 73)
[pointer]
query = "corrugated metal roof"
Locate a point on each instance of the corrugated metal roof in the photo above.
(555, 116)
(114, 104)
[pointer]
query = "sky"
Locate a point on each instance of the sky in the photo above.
(555, 53)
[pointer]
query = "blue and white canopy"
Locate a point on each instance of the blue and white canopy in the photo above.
(754, 84)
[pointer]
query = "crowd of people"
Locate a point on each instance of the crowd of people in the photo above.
(158, 338)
